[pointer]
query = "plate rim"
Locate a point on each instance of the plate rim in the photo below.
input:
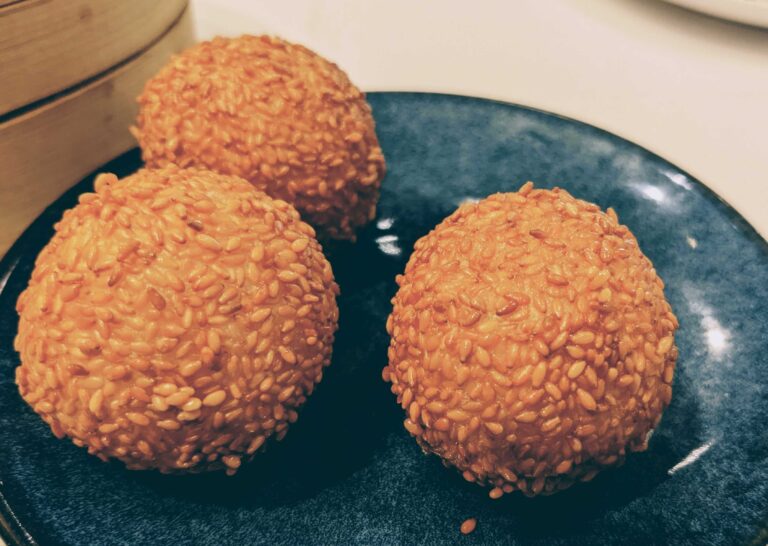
(13, 531)
(749, 13)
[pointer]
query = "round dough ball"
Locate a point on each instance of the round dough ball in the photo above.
(176, 320)
(531, 343)
(274, 113)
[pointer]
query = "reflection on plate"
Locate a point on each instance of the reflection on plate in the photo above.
(749, 12)
(348, 472)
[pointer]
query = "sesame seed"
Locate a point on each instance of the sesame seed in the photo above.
(178, 399)
(260, 315)
(583, 337)
(468, 526)
(576, 369)
(526, 417)
(232, 461)
(553, 391)
(215, 398)
(300, 245)
(95, 402)
(586, 400)
(206, 241)
(287, 276)
(287, 354)
(665, 344)
(539, 373)
(214, 341)
(495, 428)
(138, 418)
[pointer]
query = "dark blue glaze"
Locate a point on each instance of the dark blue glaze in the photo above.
(348, 473)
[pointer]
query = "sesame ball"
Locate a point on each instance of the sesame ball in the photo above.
(532, 345)
(274, 113)
(176, 320)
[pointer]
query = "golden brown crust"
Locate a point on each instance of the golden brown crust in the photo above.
(531, 341)
(176, 320)
(274, 113)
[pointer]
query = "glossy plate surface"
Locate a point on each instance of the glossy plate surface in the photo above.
(348, 473)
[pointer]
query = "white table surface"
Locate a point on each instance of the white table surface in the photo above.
(691, 88)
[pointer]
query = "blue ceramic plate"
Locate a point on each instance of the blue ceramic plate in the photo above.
(348, 473)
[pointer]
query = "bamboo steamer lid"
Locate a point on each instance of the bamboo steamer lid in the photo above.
(54, 143)
(47, 47)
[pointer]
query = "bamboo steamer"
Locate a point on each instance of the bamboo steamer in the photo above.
(47, 47)
(51, 144)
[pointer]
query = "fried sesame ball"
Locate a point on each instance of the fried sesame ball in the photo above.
(176, 320)
(531, 345)
(274, 113)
